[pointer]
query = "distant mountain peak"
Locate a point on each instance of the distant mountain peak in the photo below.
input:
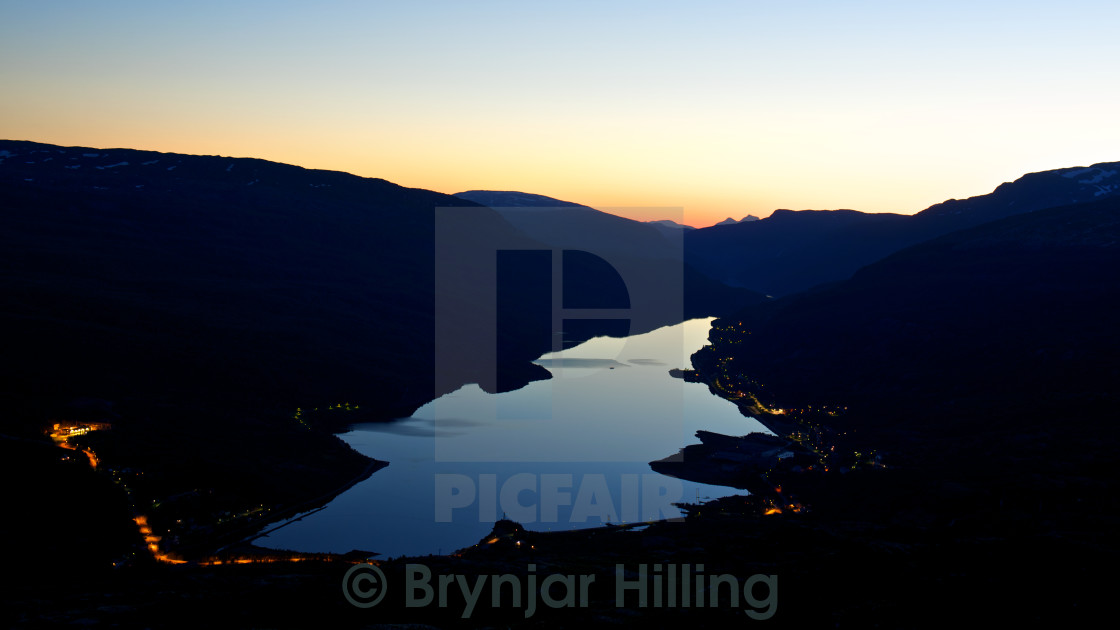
(670, 224)
(1035, 191)
(747, 219)
(515, 199)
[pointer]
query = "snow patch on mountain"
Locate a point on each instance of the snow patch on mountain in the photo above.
(1096, 174)
(1101, 174)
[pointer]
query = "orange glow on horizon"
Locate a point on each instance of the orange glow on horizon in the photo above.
(732, 110)
(690, 197)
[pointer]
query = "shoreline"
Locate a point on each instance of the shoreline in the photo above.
(289, 515)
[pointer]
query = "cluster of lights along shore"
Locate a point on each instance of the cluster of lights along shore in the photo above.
(805, 426)
(160, 546)
(300, 412)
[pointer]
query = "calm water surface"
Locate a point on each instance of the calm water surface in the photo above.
(569, 452)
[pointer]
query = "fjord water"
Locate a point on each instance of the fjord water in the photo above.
(569, 452)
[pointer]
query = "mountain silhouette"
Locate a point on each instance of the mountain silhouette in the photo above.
(669, 229)
(653, 253)
(568, 225)
(189, 276)
(791, 251)
(1015, 314)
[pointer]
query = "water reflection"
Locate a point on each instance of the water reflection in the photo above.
(568, 452)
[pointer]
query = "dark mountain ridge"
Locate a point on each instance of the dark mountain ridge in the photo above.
(516, 199)
(653, 252)
(186, 274)
(994, 324)
(791, 251)
(573, 226)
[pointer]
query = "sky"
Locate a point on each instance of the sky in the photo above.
(687, 111)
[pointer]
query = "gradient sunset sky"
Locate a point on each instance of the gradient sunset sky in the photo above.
(719, 108)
